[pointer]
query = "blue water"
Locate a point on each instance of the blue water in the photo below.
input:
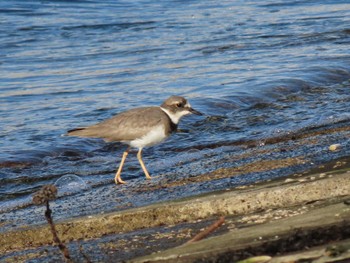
(257, 69)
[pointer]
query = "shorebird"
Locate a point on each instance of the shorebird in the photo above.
(139, 128)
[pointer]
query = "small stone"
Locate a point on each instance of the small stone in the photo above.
(334, 147)
(289, 180)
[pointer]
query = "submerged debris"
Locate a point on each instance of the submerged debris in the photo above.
(207, 231)
(43, 196)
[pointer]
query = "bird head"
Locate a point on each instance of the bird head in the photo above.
(177, 107)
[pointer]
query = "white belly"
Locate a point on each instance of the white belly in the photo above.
(155, 136)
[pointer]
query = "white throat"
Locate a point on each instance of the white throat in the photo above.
(175, 117)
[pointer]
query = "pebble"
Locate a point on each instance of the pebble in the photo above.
(334, 147)
(289, 180)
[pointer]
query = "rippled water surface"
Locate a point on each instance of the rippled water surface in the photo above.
(257, 69)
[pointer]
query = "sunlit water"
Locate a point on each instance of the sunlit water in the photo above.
(255, 68)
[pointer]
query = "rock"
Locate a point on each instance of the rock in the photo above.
(334, 147)
(289, 180)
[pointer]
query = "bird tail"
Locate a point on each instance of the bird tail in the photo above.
(77, 132)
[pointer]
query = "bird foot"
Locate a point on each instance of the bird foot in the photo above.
(119, 181)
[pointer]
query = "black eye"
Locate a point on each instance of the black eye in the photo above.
(179, 105)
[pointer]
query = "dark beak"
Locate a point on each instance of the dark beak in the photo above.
(194, 111)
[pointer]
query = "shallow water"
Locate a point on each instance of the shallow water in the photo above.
(257, 70)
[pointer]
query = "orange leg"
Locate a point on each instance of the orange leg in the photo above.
(139, 157)
(117, 178)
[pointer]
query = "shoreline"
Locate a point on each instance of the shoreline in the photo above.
(170, 224)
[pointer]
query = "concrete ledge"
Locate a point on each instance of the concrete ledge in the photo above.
(226, 247)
